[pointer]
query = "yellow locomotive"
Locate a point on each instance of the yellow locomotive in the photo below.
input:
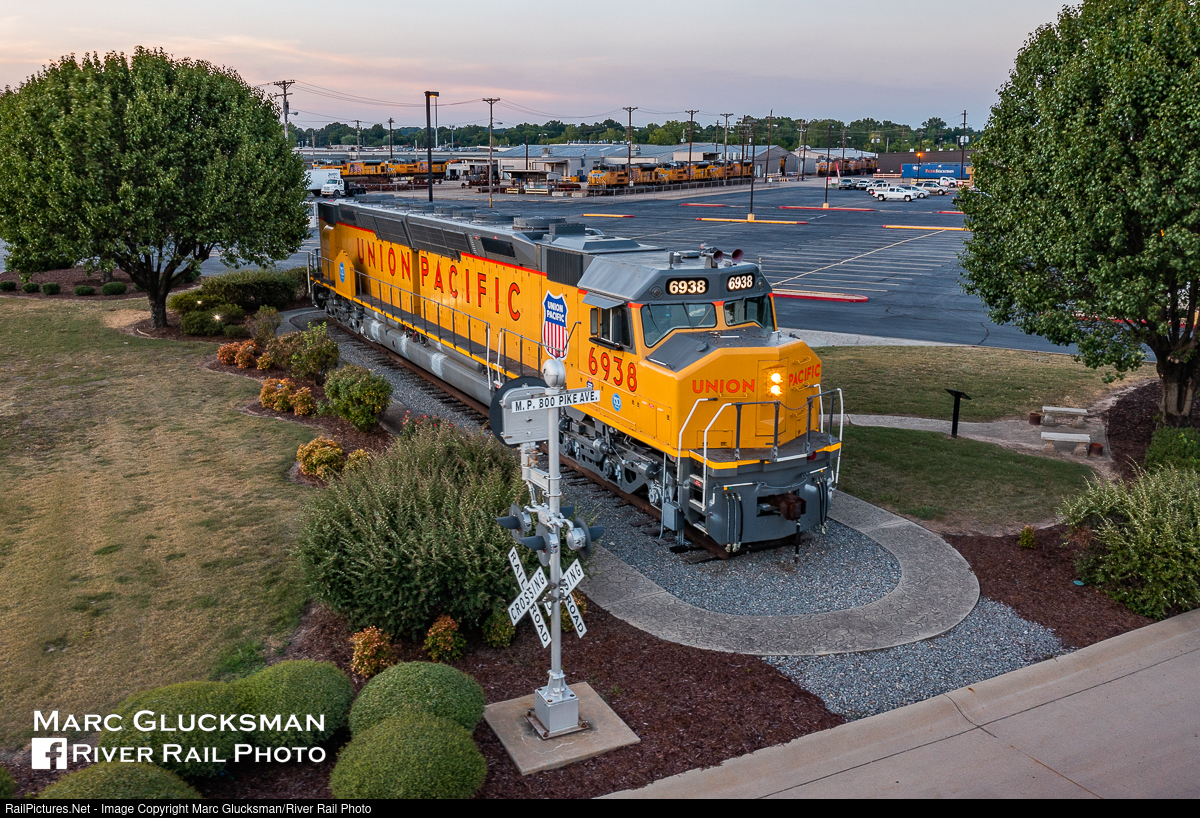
(707, 408)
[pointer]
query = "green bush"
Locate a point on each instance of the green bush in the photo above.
(200, 323)
(84, 289)
(412, 534)
(316, 353)
(118, 780)
(358, 395)
(263, 325)
(186, 701)
(321, 457)
(8, 785)
(1026, 538)
(498, 630)
(235, 331)
(251, 289)
(437, 689)
(190, 301)
(228, 313)
(415, 755)
(114, 288)
(444, 643)
(297, 688)
(29, 287)
(1174, 447)
(8, 286)
(51, 288)
(1145, 540)
(282, 348)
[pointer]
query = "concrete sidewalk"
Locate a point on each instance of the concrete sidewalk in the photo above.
(1119, 719)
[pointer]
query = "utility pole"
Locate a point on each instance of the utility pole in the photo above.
(629, 146)
(962, 151)
(390, 138)
(767, 161)
(429, 141)
(490, 101)
(828, 159)
(691, 116)
(284, 85)
(843, 166)
(803, 148)
(753, 151)
(725, 160)
(358, 137)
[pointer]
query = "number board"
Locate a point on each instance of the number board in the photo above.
(740, 282)
(573, 397)
(687, 286)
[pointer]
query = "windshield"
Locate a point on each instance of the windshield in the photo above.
(755, 310)
(660, 319)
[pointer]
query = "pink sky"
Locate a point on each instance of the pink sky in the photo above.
(567, 60)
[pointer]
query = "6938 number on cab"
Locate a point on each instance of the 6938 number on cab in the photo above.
(613, 369)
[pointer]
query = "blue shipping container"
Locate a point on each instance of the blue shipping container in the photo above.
(933, 170)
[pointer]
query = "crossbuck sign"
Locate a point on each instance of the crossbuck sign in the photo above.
(526, 601)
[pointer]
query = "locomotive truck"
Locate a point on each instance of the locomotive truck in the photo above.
(707, 409)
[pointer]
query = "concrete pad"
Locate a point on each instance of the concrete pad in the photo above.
(532, 754)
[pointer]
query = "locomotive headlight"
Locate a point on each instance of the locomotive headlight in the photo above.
(776, 390)
(776, 378)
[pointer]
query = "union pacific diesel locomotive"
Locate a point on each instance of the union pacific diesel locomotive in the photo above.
(707, 409)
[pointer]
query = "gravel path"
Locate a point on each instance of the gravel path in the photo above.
(992, 640)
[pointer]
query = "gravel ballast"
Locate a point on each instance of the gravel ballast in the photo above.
(992, 640)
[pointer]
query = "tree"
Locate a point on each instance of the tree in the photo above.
(1086, 217)
(147, 163)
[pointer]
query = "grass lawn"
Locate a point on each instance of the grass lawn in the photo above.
(960, 482)
(1002, 383)
(144, 521)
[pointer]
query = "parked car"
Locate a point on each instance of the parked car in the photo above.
(894, 192)
(919, 192)
(862, 183)
(933, 187)
(875, 187)
(846, 183)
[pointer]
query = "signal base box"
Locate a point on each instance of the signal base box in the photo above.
(555, 715)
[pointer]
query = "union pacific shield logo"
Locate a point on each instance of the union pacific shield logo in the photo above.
(554, 325)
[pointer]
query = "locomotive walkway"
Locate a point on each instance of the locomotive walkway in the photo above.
(1116, 719)
(936, 591)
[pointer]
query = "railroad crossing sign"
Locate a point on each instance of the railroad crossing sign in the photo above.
(572, 577)
(526, 601)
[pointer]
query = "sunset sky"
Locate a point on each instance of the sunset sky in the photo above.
(577, 62)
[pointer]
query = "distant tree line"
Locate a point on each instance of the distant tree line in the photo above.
(862, 134)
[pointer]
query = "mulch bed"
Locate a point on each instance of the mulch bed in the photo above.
(690, 708)
(69, 279)
(1131, 423)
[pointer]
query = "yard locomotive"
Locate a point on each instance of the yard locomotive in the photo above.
(707, 408)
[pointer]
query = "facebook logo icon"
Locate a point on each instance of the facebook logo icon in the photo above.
(46, 748)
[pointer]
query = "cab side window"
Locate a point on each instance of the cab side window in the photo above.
(611, 327)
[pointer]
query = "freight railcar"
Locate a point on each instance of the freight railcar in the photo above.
(708, 409)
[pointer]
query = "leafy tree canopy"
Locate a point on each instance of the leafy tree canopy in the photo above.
(1086, 225)
(146, 163)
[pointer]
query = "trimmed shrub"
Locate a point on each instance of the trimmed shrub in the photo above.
(114, 288)
(498, 630)
(444, 642)
(357, 459)
(235, 331)
(1174, 447)
(428, 504)
(372, 652)
(358, 395)
(8, 286)
(244, 357)
(1026, 538)
(1144, 540)
(29, 287)
(84, 289)
(300, 688)
(8, 785)
(200, 323)
(190, 301)
(282, 347)
(303, 402)
(227, 353)
(264, 324)
(439, 690)
(251, 289)
(412, 756)
(118, 780)
(321, 458)
(276, 394)
(228, 314)
(51, 288)
(266, 361)
(316, 353)
(178, 706)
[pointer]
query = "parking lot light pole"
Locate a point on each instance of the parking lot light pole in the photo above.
(828, 155)
(429, 140)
